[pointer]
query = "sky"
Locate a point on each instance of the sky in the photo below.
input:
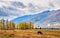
(12, 9)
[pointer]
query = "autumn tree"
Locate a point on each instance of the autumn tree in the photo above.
(31, 25)
(7, 24)
(21, 25)
(25, 25)
(3, 24)
(12, 25)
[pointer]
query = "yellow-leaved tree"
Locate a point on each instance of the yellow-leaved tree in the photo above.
(12, 25)
(21, 25)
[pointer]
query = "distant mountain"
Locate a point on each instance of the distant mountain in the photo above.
(52, 18)
(44, 18)
(34, 18)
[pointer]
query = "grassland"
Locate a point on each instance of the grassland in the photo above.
(29, 34)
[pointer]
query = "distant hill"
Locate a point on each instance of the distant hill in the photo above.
(52, 18)
(44, 18)
(34, 18)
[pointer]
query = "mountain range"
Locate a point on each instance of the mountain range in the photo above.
(34, 18)
(43, 19)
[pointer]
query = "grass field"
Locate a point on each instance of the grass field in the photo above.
(29, 34)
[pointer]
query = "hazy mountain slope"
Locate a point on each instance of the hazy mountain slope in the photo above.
(54, 17)
(34, 18)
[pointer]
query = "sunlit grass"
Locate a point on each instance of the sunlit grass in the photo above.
(29, 34)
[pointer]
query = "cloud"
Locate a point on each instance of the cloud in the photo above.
(18, 4)
(8, 17)
(2, 13)
(26, 7)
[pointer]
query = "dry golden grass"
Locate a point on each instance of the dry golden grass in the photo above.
(29, 34)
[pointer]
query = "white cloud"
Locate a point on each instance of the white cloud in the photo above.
(32, 6)
(8, 17)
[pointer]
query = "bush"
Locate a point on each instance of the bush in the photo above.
(39, 32)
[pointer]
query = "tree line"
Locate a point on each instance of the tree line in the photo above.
(10, 25)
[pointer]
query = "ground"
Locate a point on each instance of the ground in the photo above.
(29, 34)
